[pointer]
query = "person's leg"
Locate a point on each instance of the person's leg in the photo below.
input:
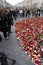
(0, 38)
(5, 35)
(9, 30)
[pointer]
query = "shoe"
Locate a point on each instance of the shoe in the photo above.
(7, 38)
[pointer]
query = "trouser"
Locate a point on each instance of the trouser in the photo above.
(5, 34)
(9, 28)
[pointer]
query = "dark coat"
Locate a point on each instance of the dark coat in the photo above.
(3, 23)
(9, 15)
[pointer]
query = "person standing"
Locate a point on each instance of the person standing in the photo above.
(9, 16)
(4, 25)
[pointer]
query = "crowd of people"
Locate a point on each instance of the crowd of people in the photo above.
(6, 19)
(27, 13)
(5, 23)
